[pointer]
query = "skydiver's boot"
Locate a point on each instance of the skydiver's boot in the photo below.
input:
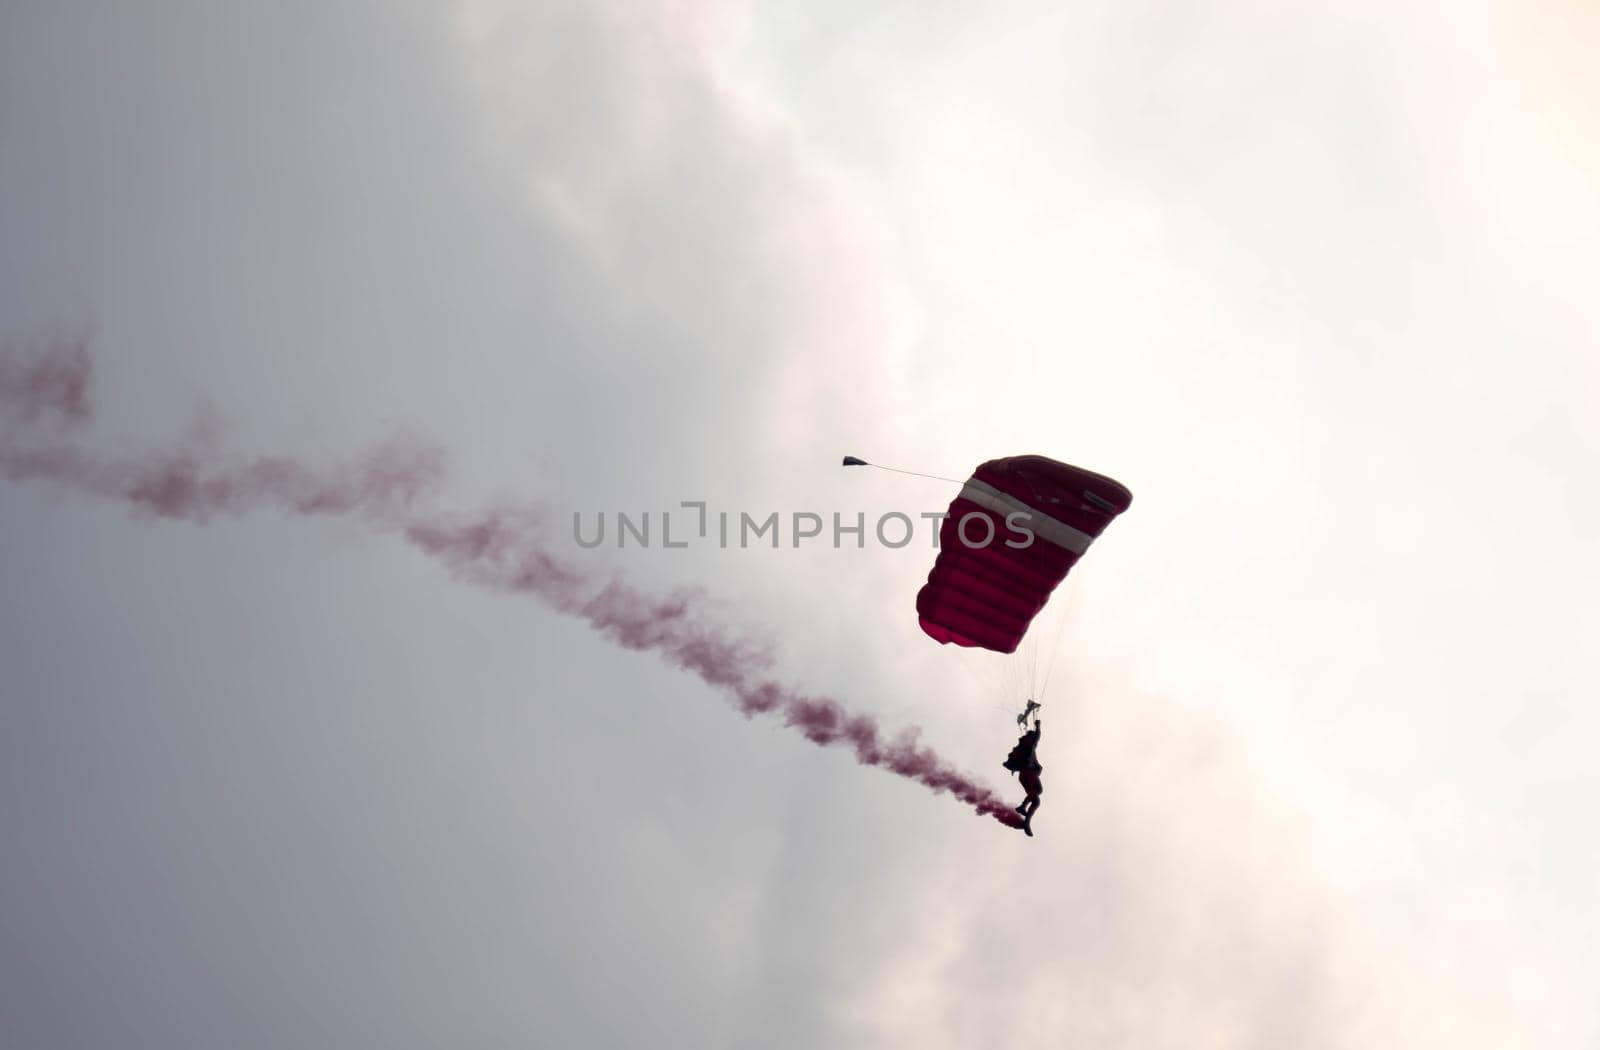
(1027, 825)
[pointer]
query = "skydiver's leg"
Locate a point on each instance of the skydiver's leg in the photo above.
(1033, 789)
(1031, 806)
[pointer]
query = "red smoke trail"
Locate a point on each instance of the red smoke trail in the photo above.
(500, 549)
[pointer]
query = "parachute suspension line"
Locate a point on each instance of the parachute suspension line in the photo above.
(1033, 669)
(852, 461)
(1055, 646)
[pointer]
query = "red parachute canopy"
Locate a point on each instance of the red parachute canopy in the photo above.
(990, 578)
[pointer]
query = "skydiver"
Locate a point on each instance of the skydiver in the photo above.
(1024, 760)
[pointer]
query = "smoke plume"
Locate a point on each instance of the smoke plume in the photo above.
(44, 405)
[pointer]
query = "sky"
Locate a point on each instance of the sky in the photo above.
(1312, 280)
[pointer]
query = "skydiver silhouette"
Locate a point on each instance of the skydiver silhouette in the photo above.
(1024, 761)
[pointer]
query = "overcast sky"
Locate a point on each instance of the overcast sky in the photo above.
(1321, 736)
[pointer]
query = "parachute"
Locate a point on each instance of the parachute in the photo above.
(1016, 529)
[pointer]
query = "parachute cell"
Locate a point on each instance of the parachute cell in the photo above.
(990, 580)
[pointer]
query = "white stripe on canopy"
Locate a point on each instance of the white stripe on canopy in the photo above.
(1041, 524)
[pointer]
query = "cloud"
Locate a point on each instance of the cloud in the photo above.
(1314, 752)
